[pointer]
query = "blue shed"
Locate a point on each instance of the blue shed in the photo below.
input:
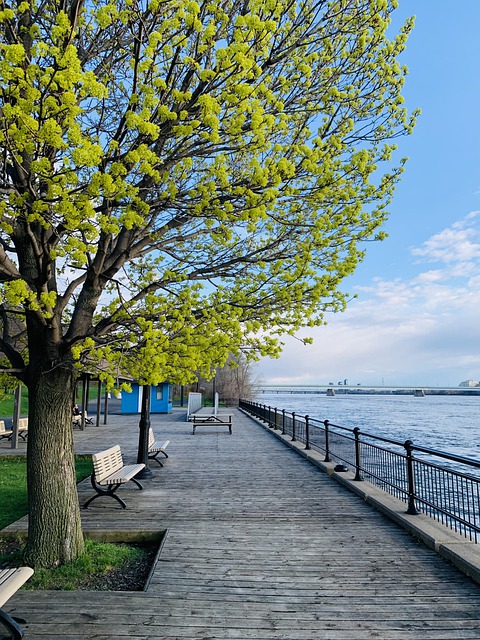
(160, 400)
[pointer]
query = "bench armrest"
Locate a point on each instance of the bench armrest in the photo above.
(11, 580)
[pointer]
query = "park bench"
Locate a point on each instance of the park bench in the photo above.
(205, 420)
(109, 473)
(5, 433)
(10, 582)
(154, 447)
(8, 433)
(77, 419)
(23, 428)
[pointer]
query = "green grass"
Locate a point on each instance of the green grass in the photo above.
(99, 558)
(7, 400)
(13, 485)
(6, 404)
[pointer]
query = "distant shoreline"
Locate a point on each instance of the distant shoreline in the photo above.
(374, 391)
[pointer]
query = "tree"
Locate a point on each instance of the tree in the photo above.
(236, 380)
(179, 179)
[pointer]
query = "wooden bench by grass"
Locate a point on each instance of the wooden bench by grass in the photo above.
(10, 582)
(109, 473)
(5, 433)
(204, 420)
(8, 433)
(156, 447)
(23, 428)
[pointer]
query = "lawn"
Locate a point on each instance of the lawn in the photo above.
(13, 485)
(103, 565)
(7, 401)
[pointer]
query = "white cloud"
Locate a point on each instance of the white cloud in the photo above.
(421, 330)
(458, 243)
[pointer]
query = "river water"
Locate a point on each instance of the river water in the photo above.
(445, 423)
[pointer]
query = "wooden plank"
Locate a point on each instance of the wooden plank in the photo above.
(261, 546)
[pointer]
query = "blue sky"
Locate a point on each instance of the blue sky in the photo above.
(416, 318)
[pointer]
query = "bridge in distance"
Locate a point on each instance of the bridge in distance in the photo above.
(328, 389)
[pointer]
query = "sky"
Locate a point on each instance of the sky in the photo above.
(416, 319)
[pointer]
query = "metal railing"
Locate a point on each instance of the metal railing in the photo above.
(439, 484)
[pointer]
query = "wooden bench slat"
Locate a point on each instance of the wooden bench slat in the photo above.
(155, 447)
(8, 433)
(110, 472)
(11, 580)
(158, 446)
(4, 432)
(107, 462)
(123, 475)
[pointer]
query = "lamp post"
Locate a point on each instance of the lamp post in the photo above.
(144, 426)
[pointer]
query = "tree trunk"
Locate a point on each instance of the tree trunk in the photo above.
(55, 531)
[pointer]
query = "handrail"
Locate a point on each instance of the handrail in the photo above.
(426, 485)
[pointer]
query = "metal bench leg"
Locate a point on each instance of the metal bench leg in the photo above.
(154, 457)
(105, 492)
(118, 499)
(108, 492)
(14, 629)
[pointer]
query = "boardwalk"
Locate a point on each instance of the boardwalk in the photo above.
(260, 545)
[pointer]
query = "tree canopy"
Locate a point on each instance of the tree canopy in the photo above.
(180, 179)
(175, 172)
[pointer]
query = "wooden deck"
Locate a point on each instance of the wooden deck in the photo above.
(260, 545)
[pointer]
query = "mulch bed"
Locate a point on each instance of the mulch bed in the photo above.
(132, 577)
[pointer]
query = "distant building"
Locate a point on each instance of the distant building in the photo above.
(469, 383)
(160, 399)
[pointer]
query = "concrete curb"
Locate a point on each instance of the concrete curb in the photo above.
(454, 548)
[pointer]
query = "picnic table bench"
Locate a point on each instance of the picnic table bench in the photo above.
(109, 473)
(207, 420)
(10, 582)
(155, 447)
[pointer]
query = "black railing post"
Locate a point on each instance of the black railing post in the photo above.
(358, 476)
(411, 509)
(283, 421)
(275, 419)
(327, 451)
(293, 425)
(307, 433)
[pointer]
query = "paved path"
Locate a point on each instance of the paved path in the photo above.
(260, 545)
